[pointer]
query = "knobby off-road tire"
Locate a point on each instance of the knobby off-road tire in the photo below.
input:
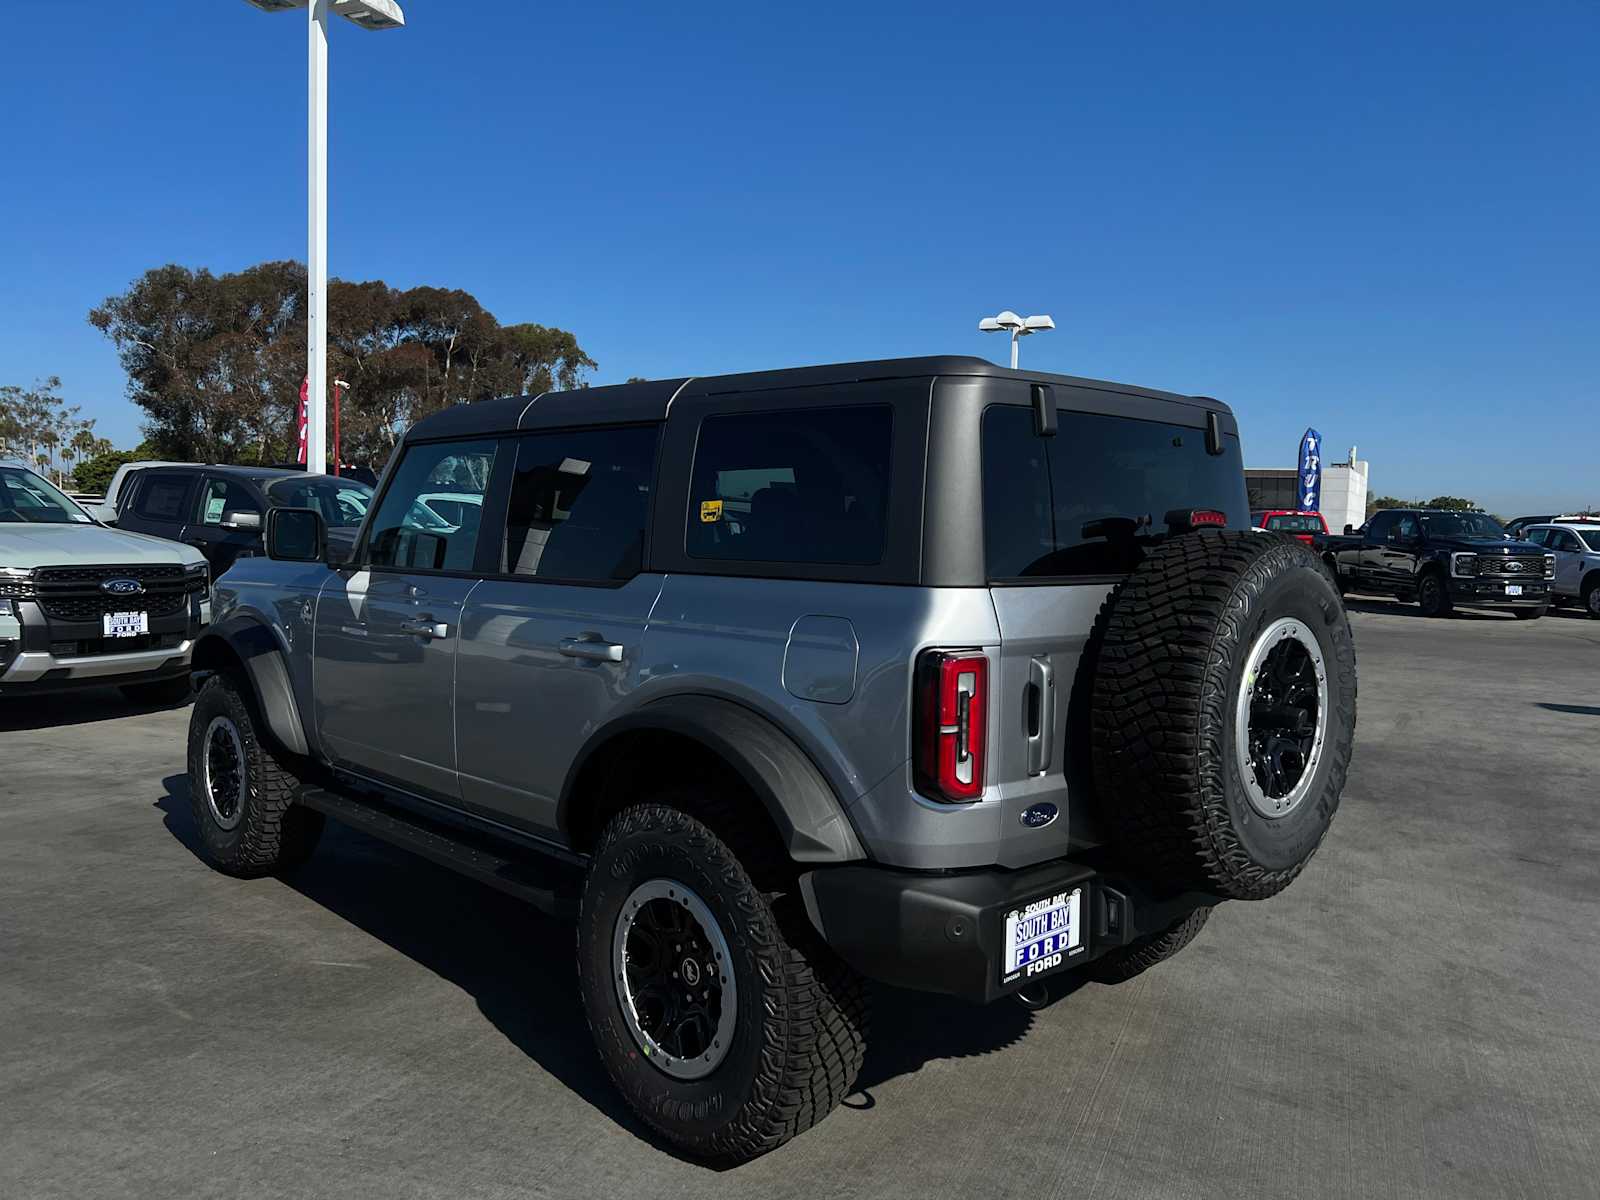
(1170, 765)
(1123, 963)
(797, 1036)
(242, 796)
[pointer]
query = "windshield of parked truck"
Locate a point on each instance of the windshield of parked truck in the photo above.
(26, 498)
(340, 501)
(1461, 524)
(1295, 523)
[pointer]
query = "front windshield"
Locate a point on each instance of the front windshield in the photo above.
(24, 497)
(340, 501)
(1462, 524)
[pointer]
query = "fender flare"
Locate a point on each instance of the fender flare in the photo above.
(263, 660)
(802, 805)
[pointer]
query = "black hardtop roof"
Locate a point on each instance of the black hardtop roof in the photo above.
(629, 402)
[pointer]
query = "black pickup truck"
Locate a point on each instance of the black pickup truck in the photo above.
(1440, 559)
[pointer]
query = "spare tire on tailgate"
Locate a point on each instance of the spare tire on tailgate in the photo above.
(1223, 711)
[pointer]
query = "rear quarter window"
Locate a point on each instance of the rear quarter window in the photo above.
(792, 486)
(1092, 500)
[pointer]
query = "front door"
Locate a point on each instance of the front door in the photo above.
(388, 631)
(227, 522)
(550, 647)
(1569, 560)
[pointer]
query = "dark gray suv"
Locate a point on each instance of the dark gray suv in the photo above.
(951, 676)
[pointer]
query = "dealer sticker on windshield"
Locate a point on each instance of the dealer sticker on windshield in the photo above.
(1042, 935)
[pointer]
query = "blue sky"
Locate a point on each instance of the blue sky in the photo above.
(1378, 219)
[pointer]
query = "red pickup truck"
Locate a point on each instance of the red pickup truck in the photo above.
(1299, 525)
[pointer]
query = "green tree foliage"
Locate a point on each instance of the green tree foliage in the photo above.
(40, 429)
(93, 474)
(216, 361)
(1452, 502)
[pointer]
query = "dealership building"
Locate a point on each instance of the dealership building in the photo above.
(1344, 490)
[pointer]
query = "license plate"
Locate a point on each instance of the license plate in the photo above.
(125, 624)
(1042, 935)
(1513, 589)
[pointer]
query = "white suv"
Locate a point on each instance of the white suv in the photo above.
(1576, 545)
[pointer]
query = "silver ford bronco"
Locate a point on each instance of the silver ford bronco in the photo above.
(954, 677)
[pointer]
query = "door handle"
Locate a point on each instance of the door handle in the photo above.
(425, 627)
(591, 647)
(1041, 714)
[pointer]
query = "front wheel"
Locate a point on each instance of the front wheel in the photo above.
(1591, 599)
(1432, 596)
(719, 1014)
(243, 797)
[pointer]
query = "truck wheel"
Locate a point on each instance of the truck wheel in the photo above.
(1591, 596)
(162, 691)
(1333, 574)
(1137, 957)
(1223, 711)
(1432, 595)
(719, 1014)
(243, 798)
(1529, 614)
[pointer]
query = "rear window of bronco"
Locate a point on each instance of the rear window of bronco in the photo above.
(1090, 500)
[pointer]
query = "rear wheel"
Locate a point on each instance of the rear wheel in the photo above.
(1223, 712)
(1125, 962)
(243, 797)
(1432, 595)
(719, 1014)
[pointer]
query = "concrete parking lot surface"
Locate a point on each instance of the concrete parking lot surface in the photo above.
(1418, 1016)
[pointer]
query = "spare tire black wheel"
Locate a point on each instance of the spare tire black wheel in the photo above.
(1223, 712)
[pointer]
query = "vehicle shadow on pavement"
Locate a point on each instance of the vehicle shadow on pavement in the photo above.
(1582, 710)
(84, 706)
(1399, 608)
(518, 965)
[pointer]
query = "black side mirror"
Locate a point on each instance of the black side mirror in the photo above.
(1349, 529)
(296, 535)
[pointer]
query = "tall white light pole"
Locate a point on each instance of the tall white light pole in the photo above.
(1019, 327)
(369, 14)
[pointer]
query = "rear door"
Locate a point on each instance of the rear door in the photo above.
(550, 642)
(1064, 519)
(160, 503)
(387, 632)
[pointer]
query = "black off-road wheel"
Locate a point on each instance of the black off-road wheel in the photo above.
(721, 1017)
(1433, 597)
(1223, 712)
(242, 795)
(1125, 962)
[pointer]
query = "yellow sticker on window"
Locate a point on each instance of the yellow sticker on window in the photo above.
(710, 512)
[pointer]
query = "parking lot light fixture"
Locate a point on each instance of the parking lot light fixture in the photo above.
(1018, 327)
(369, 14)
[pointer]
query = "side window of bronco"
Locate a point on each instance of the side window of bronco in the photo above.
(579, 504)
(433, 507)
(798, 485)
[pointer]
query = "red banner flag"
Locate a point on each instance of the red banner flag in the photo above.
(305, 391)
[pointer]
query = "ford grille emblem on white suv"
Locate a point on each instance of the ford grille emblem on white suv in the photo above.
(122, 587)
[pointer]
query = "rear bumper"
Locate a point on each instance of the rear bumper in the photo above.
(946, 933)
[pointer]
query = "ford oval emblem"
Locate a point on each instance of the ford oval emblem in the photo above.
(1037, 816)
(122, 587)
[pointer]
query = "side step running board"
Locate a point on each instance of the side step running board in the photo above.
(527, 877)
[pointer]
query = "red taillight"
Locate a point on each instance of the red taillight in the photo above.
(1201, 517)
(952, 702)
